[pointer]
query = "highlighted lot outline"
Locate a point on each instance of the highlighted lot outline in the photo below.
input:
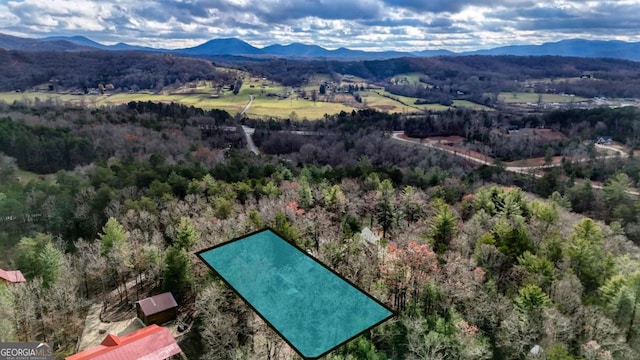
(314, 309)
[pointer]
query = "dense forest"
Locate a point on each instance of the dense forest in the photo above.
(483, 131)
(475, 267)
(133, 70)
(473, 76)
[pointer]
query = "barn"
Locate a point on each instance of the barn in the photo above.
(157, 309)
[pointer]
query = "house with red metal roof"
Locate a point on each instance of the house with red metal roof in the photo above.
(12, 277)
(157, 309)
(150, 343)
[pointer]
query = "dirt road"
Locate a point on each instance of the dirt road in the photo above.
(398, 135)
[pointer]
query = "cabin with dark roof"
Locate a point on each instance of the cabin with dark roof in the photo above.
(604, 140)
(157, 309)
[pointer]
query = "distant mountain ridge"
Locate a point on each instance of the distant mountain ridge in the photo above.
(9, 42)
(230, 46)
(237, 47)
(572, 47)
(86, 42)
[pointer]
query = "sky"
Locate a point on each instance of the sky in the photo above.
(373, 25)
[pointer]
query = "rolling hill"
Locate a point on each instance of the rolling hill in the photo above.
(236, 47)
(572, 47)
(9, 42)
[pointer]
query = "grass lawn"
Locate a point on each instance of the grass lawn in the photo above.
(318, 79)
(434, 107)
(118, 99)
(527, 97)
(262, 106)
(10, 97)
(310, 88)
(385, 101)
(202, 96)
(374, 100)
(26, 176)
(273, 107)
(410, 103)
(261, 87)
(352, 80)
(409, 78)
(471, 105)
(557, 80)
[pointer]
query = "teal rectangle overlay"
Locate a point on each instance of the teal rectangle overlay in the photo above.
(311, 307)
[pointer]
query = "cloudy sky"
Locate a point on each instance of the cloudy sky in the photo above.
(358, 24)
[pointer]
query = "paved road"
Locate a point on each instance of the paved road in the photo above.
(517, 169)
(249, 131)
(396, 136)
(247, 134)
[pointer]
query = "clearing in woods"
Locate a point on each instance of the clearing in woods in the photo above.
(409, 79)
(532, 98)
(271, 99)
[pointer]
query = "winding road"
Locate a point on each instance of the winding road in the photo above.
(530, 170)
(516, 169)
(248, 105)
(250, 144)
(249, 131)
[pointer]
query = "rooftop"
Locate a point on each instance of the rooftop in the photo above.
(12, 276)
(310, 306)
(150, 343)
(157, 303)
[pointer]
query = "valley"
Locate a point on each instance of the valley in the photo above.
(491, 202)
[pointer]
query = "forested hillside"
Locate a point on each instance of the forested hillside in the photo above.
(470, 74)
(22, 70)
(475, 267)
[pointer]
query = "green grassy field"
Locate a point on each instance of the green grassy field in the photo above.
(273, 107)
(408, 78)
(352, 80)
(10, 97)
(527, 97)
(471, 105)
(318, 79)
(557, 80)
(374, 100)
(204, 96)
(261, 88)
(410, 103)
(26, 176)
(262, 107)
(434, 107)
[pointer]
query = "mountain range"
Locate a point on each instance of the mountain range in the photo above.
(237, 47)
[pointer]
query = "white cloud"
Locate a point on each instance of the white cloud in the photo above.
(380, 24)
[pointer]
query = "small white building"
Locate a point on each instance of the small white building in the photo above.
(372, 241)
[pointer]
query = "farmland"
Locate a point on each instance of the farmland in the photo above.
(267, 102)
(409, 78)
(532, 98)
(321, 93)
(341, 92)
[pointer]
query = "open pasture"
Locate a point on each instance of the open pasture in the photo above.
(533, 98)
(273, 107)
(408, 79)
